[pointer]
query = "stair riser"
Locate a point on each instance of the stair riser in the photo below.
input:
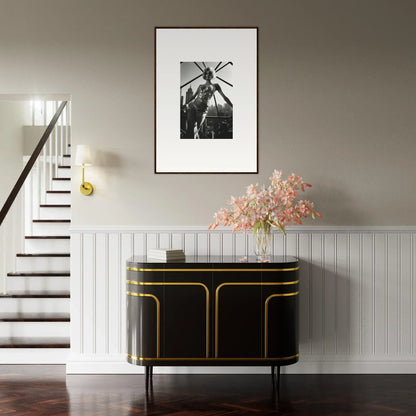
(37, 283)
(61, 185)
(41, 264)
(64, 173)
(50, 228)
(55, 213)
(47, 246)
(35, 305)
(58, 198)
(34, 329)
(66, 161)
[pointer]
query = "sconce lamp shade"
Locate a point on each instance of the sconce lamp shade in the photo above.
(83, 155)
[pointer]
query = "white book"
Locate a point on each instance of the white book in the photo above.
(164, 251)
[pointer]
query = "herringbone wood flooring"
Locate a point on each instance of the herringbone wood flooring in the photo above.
(45, 390)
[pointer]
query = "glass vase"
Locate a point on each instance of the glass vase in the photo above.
(263, 243)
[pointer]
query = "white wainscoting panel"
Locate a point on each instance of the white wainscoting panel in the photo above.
(357, 294)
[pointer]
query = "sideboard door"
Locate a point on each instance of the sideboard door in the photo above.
(186, 314)
(280, 323)
(237, 314)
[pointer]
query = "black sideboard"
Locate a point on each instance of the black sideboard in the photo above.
(212, 311)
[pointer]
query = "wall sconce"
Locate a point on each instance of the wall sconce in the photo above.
(83, 158)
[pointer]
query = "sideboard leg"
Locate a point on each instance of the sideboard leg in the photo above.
(151, 376)
(147, 367)
(278, 381)
(273, 372)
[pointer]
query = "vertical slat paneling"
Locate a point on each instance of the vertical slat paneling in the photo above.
(227, 244)
(101, 287)
(126, 251)
(164, 240)
(139, 244)
(89, 295)
(330, 286)
(357, 289)
(366, 296)
(240, 244)
(342, 310)
(215, 244)
(190, 244)
(114, 273)
(317, 291)
(405, 304)
(380, 294)
(393, 294)
(178, 241)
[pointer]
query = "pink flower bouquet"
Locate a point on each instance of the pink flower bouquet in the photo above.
(272, 206)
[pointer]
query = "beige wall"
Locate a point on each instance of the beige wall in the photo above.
(12, 117)
(337, 95)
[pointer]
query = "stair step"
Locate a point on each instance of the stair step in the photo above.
(35, 304)
(64, 167)
(34, 317)
(66, 155)
(43, 255)
(44, 342)
(61, 184)
(55, 205)
(35, 294)
(47, 237)
(30, 329)
(58, 192)
(39, 263)
(37, 283)
(52, 221)
(37, 274)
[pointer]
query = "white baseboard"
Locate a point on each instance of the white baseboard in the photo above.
(34, 356)
(115, 364)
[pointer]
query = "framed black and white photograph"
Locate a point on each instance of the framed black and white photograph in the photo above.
(206, 100)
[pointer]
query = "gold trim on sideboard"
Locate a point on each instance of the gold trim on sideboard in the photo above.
(148, 295)
(134, 282)
(217, 291)
(213, 359)
(291, 269)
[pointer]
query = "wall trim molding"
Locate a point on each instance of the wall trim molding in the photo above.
(204, 228)
(103, 364)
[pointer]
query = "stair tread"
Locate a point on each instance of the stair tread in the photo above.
(51, 220)
(43, 255)
(66, 155)
(34, 317)
(61, 179)
(46, 274)
(64, 167)
(36, 294)
(44, 342)
(47, 237)
(55, 205)
(58, 192)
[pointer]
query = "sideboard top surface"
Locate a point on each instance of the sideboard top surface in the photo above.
(212, 261)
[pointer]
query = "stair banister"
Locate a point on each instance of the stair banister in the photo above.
(29, 165)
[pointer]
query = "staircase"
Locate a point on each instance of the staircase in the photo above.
(34, 308)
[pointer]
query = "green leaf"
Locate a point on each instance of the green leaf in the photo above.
(281, 228)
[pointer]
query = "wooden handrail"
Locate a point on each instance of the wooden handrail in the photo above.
(29, 165)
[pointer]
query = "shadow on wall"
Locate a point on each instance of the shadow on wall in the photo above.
(325, 325)
(337, 206)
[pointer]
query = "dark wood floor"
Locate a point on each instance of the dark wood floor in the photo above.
(45, 390)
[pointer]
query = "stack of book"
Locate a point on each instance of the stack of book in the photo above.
(165, 254)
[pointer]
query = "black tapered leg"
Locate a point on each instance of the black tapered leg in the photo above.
(278, 381)
(273, 372)
(147, 376)
(151, 376)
